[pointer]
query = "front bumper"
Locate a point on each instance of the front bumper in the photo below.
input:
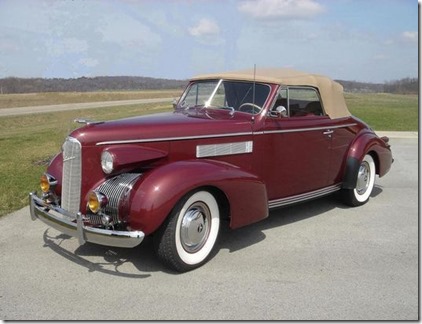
(73, 225)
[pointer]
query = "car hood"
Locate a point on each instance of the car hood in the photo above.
(160, 127)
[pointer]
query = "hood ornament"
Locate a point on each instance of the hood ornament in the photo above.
(87, 121)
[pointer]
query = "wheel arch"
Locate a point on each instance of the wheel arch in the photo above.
(241, 195)
(366, 143)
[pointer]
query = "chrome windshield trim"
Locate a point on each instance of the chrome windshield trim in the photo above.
(208, 102)
(148, 140)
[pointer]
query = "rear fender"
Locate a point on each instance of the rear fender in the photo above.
(158, 191)
(366, 142)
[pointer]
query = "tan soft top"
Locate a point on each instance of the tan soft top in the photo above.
(331, 92)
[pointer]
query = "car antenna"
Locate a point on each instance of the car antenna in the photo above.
(253, 89)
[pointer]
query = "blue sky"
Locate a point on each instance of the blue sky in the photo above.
(362, 40)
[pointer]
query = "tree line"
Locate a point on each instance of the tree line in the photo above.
(84, 84)
(127, 83)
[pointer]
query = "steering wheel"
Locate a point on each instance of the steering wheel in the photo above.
(254, 109)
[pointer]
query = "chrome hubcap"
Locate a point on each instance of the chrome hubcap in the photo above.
(195, 227)
(364, 178)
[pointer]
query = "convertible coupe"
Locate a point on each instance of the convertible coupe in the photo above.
(237, 145)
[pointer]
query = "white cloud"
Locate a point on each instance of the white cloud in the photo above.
(408, 36)
(288, 9)
(205, 27)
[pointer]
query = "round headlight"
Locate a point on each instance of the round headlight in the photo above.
(107, 162)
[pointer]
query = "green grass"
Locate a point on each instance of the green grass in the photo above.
(384, 111)
(51, 98)
(28, 142)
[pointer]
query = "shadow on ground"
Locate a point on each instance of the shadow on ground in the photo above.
(144, 260)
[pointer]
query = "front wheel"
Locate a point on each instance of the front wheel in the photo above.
(364, 184)
(187, 238)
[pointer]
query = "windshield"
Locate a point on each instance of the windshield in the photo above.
(234, 95)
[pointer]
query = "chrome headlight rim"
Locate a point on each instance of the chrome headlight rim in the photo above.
(107, 162)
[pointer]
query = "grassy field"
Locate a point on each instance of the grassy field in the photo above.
(385, 111)
(51, 98)
(27, 143)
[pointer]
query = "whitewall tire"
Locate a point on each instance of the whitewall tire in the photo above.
(188, 237)
(364, 184)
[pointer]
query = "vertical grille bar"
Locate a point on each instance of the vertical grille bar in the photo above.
(72, 175)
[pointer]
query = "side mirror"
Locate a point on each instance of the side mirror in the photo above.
(174, 103)
(278, 112)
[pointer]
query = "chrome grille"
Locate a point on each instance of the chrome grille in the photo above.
(115, 189)
(72, 175)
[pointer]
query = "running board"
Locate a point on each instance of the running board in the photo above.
(303, 197)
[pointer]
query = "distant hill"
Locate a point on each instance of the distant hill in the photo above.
(354, 86)
(127, 83)
(403, 86)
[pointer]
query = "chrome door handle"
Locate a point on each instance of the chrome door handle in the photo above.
(328, 132)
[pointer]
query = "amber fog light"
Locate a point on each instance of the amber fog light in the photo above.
(47, 183)
(96, 201)
(44, 184)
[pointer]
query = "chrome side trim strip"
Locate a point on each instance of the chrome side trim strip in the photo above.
(149, 140)
(224, 149)
(302, 197)
(307, 129)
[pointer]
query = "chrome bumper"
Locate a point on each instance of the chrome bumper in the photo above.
(62, 221)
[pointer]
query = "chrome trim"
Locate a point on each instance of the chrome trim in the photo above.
(224, 149)
(222, 135)
(72, 175)
(174, 138)
(51, 180)
(208, 102)
(303, 197)
(87, 121)
(115, 189)
(73, 225)
(308, 129)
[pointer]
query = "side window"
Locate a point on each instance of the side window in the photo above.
(304, 102)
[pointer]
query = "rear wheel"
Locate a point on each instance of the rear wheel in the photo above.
(186, 240)
(364, 184)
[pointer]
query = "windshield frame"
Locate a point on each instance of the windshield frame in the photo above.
(208, 104)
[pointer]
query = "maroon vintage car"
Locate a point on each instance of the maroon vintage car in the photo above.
(237, 145)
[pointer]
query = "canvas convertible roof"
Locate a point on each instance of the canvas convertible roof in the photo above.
(331, 92)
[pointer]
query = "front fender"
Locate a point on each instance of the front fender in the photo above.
(366, 142)
(157, 192)
(127, 157)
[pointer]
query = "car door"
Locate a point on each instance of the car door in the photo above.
(296, 142)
